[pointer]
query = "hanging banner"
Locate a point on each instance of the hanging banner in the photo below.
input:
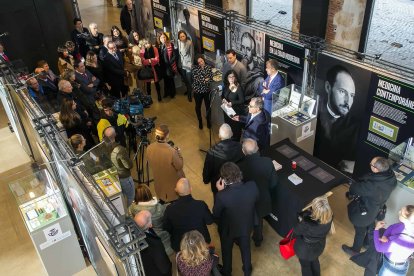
(290, 57)
(146, 17)
(217, 3)
(387, 123)
(343, 90)
(249, 45)
(212, 35)
(161, 14)
(187, 20)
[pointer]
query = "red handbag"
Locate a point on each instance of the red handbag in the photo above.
(286, 246)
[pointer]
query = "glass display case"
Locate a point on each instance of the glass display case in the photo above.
(39, 200)
(402, 161)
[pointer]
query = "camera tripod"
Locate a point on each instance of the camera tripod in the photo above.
(142, 165)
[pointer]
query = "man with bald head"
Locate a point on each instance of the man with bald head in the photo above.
(154, 258)
(186, 214)
(260, 170)
(226, 150)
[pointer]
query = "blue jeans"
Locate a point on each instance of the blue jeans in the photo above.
(128, 189)
(390, 269)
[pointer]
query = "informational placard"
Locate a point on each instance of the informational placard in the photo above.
(161, 14)
(53, 234)
(343, 90)
(290, 57)
(249, 45)
(187, 21)
(212, 35)
(388, 121)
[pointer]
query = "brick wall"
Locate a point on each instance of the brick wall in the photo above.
(344, 24)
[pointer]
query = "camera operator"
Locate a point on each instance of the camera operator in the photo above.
(166, 164)
(111, 118)
(368, 196)
(123, 164)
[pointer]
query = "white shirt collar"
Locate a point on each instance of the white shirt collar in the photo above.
(331, 112)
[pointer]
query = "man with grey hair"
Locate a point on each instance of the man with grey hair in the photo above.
(226, 150)
(368, 195)
(103, 50)
(123, 165)
(154, 258)
(257, 123)
(95, 39)
(259, 169)
(186, 214)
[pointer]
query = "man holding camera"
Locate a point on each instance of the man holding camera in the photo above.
(166, 164)
(368, 196)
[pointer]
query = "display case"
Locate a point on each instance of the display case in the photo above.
(401, 159)
(98, 163)
(50, 227)
(293, 117)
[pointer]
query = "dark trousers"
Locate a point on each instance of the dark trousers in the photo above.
(258, 231)
(361, 236)
(199, 98)
(186, 77)
(227, 250)
(310, 268)
(169, 87)
(157, 87)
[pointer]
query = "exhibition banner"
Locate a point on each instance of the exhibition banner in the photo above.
(147, 18)
(290, 57)
(342, 88)
(387, 123)
(249, 45)
(161, 14)
(217, 3)
(187, 20)
(212, 35)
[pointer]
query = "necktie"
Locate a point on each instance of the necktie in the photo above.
(116, 56)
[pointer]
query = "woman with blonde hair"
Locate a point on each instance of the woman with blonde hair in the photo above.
(310, 232)
(397, 243)
(78, 143)
(145, 201)
(194, 257)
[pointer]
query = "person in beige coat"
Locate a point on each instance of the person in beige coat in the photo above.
(166, 164)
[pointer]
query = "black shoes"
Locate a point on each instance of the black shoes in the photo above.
(190, 99)
(348, 250)
(200, 125)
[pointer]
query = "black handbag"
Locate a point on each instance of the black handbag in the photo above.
(145, 73)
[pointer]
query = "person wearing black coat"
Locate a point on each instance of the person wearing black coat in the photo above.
(186, 214)
(234, 211)
(154, 258)
(128, 17)
(310, 232)
(226, 150)
(114, 71)
(369, 195)
(168, 64)
(259, 169)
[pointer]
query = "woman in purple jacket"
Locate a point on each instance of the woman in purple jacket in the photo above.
(397, 243)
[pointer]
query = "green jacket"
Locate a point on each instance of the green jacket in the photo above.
(121, 160)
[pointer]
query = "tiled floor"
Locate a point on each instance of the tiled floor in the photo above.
(18, 257)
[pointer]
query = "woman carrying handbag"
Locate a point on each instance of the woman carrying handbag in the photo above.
(150, 70)
(310, 232)
(168, 64)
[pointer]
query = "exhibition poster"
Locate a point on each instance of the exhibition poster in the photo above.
(342, 88)
(161, 14)
(290, 57)
(249, 45)
(217, 3)
(212, 35)
(187, 20)
(147, 18)
(387, 122)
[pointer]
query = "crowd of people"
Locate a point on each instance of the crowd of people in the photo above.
(96, 69)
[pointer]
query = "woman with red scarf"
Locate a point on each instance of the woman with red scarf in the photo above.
(168, 63)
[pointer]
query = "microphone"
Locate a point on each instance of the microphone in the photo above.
(4, 34)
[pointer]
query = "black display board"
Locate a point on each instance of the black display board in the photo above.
(290, 57)
(217, 3)
(388, 120)
(212, 35)
(161, 14)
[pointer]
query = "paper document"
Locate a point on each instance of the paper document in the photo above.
(229, 110)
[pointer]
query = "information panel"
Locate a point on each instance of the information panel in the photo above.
(212, 35)
(161, 14)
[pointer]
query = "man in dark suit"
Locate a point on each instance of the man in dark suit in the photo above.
(186, 214)
(88, 82)
(271, 84)
(154, 258)
(257, 123)
(114, 71)
(260, 170)
(226, 150)
(234, 209)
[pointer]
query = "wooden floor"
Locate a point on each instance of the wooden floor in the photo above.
(17, 254)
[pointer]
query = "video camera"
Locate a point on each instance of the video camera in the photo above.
(144, 126)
